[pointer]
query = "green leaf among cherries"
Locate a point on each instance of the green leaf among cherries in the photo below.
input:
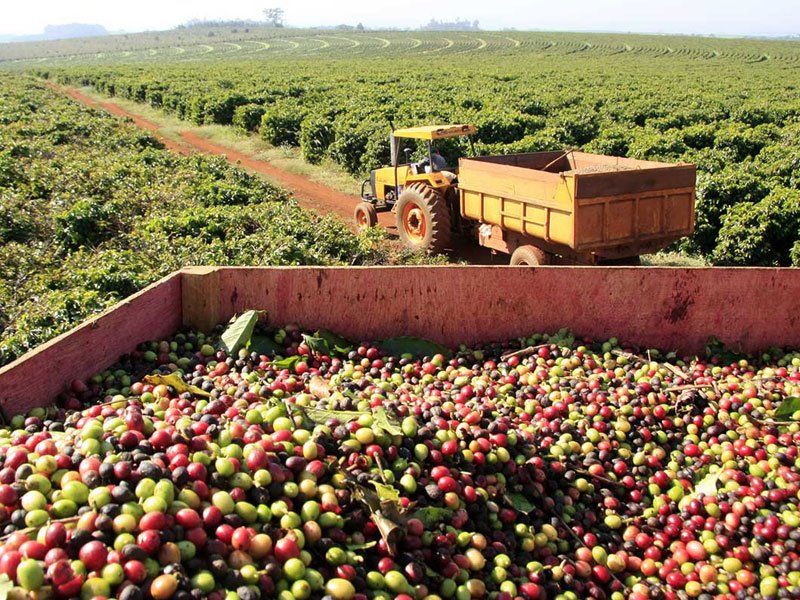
(327, 342)
(788, 409)
(707, 486)
(431, 515)
(239, 333)
(289, 362)
(383, 421)
(175, 381)
(263, 344)
(520, 502)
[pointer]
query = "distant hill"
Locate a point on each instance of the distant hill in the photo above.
(73, 30)
(60, 32)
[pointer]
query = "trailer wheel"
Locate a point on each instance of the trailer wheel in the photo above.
(365, 215)
(423, 219)
(529, 256)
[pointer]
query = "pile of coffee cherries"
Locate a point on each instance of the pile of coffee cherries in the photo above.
(538, 468)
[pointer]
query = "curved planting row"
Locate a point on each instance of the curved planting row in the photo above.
(252, 42)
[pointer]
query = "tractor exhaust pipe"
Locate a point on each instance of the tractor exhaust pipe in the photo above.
(394, 149)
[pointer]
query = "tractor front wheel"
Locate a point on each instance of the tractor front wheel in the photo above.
(365, 215)
(423, 219)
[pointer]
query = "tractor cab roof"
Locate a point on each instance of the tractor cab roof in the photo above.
(434, 132)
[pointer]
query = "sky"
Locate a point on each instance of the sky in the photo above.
(731, 17)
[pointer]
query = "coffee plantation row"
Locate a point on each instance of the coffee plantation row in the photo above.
(730, 106)
(92, 210)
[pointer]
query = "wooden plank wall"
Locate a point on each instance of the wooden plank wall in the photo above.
(669, 308)
(621, 183)
(36, 378)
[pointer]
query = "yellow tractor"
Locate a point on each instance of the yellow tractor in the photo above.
(423, 194)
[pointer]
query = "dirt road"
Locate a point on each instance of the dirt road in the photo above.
(309, 194)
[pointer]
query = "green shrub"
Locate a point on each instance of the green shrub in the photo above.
(759, 113)
(316, 136)
(229, 187)
(377, 152)
(574, 127)
(220, 109)
(541, 141)
(248, 116)
(281, 123)
(760, 233)
(744, 140)
(709, 160)
(716, 192)
(224, 193)
(654, 145)
(612, 140)
(88, 222)
(348, 146)
(51, 313)
(700, 136)
(112, 272)
(11, 172)
(794, 254)
(17, 223)
(500, 127)
(533, 107)
(196, 110)
(781, 162)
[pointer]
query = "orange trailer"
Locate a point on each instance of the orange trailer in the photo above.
(584, 208)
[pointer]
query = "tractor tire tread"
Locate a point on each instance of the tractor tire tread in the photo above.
(440, 217)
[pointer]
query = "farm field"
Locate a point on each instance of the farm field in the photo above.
(258, 43)
(92, 209)
(267, 456)
(729, 106)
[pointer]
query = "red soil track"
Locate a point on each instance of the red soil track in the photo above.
(311, 195)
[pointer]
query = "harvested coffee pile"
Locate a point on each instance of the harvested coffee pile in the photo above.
(601, 169)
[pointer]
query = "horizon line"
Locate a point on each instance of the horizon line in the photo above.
(210, 23)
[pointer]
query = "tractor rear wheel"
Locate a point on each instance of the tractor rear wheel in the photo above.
(529, 256)
(365, 215)
(423, 219)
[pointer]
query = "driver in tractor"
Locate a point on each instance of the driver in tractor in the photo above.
(439, 164)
